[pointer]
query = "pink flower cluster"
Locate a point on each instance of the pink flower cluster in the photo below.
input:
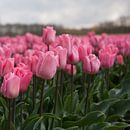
(21, 57)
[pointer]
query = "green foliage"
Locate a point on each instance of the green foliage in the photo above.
(109, 103)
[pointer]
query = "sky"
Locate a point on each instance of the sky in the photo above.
(69, 13)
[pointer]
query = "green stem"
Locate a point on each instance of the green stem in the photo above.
(83, 83)
(52, 82)
(41, 98)
(87, 104)
(83, 87)
(56, 97)
(107, 79)
(21, 110)
(34, 90)
(56, 93)
(13, 111)
(61, 85)
(71, 89)
(127, 66)
(9, 114)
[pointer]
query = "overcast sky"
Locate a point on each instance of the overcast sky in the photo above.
(70, 13)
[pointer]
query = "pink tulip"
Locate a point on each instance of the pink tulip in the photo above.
(65, 41)
(25, 77)
(90, 34)
(46, 66)
(21, 47)
(119, 59)
(5, 52)
(27, 61)
(127, 48)
(34, 60)
(84, 50)
(18, 58)
(122, 47)
(2, 53)
(91, 64)
(73, 58)
(6, 66)
(76, 41)
(23, 66)
(40, 47)
(68, 69)
(29, 37)
(93, 40)
(107, 56)
(103, 42)
(37, 39)
(11, 85)
(29, 52)
(62, 54)
(49, 35)
(38, 53)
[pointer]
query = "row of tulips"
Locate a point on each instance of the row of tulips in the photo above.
(32, 66)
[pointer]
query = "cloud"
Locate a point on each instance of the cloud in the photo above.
(70, 13)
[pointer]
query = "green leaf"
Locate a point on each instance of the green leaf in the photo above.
(121, 90)
(49, 92)
(75, 101)
(67, 102)
(71, 117)
(98, 126)
(90, 118)
(4, 105)
(51, 115)
(116, 126)
(127, 116)
(108, 126)
(42, 126)
(81, 106)
(103, 105)
(125, 87)
(59, 108)
(119, 108)
(58, 128)
(113, 108)
(73, 128)
(37, 123)
(5, 126)
(30, 122)
(33, 121)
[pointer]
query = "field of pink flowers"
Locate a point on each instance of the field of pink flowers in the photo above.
(64, 82)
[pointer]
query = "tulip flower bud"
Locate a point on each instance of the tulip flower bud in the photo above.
(91, 64)
(119, 59)
(65, 42)
(25, 77)
(107, 56)
(46, 66)
(68, 69)
(73, 58)
(6, 66)
(62, 54)
(49, 35)
(10, 86)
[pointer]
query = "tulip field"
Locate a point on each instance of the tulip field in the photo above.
(65, 82)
